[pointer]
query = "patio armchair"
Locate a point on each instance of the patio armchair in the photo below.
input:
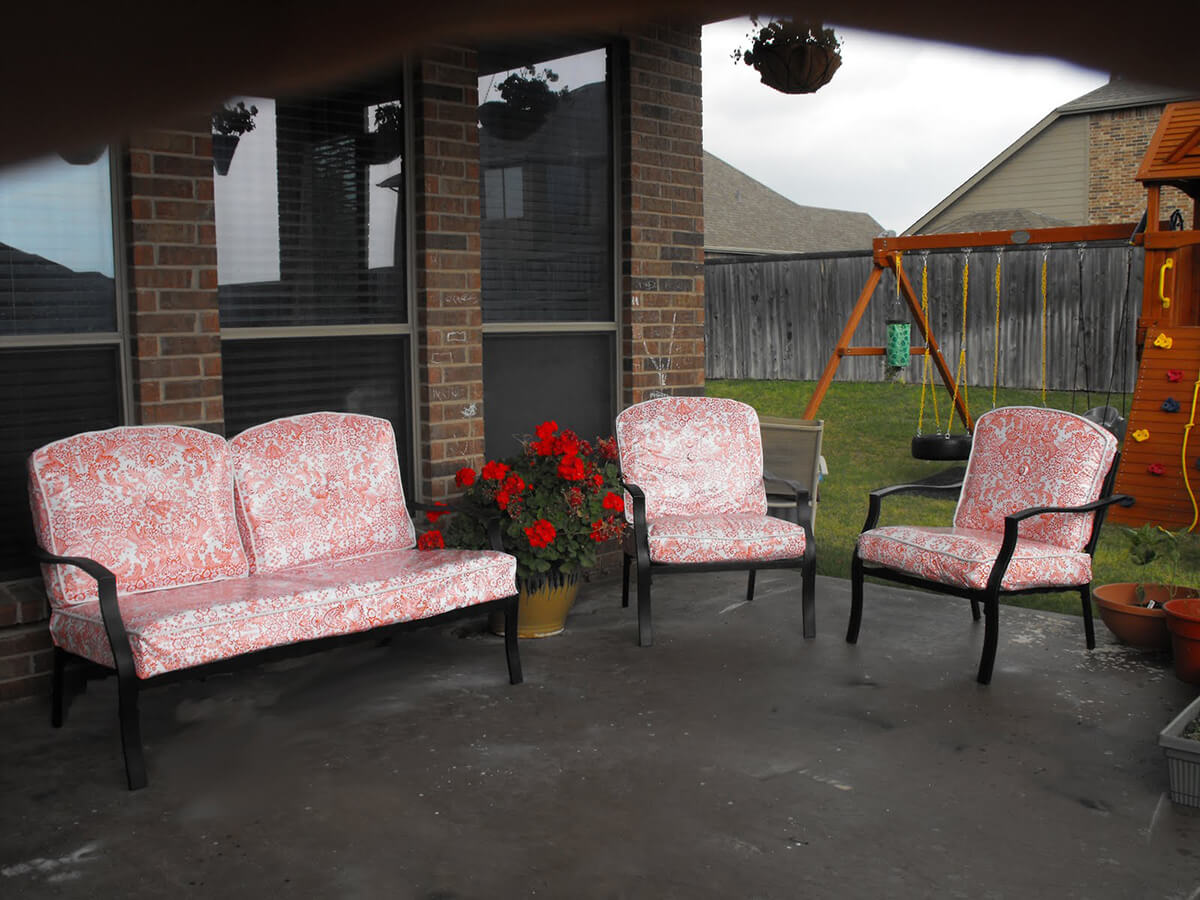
(1031, 503)
(693, 475)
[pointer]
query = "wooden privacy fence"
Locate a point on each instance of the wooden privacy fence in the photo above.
(779, 318)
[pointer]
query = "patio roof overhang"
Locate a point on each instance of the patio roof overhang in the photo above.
(105, 70)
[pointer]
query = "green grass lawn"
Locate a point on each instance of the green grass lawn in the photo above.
(868, 428)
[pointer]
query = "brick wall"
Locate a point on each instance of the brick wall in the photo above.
(662, 180)
(25, 654)
(173, 280)
(1117, 141)
(449, 315)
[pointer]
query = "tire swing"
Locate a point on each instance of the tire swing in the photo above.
(942, 445)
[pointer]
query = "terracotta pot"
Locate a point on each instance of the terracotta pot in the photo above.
(1133, 623)
(543, 607)
(1183, 620)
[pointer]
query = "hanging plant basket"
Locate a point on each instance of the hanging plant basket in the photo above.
(793, 57)
(223, 147)
(82, 156)
(510, 123)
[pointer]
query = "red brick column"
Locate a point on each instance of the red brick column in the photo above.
(1117, 142)
(173, 279)
(662, 180)
(449, 338)
(25, 654)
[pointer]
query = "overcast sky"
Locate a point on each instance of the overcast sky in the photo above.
(901, 125)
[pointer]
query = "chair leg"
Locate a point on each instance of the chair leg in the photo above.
(856, 598)
(991, 636)
(131, 731)
(627, 560)
(512, 650)
(809, 597)
(750, 586)
(1089, 629)
(974, 609)
(58, 700)
(645, 628)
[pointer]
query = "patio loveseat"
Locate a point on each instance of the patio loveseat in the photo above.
(168, 549)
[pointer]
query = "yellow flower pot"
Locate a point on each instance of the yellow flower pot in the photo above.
(543, 607)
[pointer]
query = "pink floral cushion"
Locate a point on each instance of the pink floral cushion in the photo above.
(1023, 457)
(724, 538)
(153, 503)
(319, 487)
(964, 557)
(191, 626)
(693, 456)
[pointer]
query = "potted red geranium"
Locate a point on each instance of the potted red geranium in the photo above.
(556, 503)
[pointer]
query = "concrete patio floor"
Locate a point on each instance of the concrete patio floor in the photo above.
(732, 759)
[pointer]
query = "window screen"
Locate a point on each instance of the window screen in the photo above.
(545, 154)
(528, 378)
(48, 394)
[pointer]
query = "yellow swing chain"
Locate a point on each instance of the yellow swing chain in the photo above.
(926, 376)
(960, 375)
(1045, 254)
(996, 339)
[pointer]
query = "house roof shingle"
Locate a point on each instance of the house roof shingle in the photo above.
(742, 215)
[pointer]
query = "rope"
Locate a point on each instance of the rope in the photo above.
(996, 340)
(1045, 254)
(926, 376)
(960, 375)
(1183, 456)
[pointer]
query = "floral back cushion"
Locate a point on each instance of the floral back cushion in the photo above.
(1024, 456)
(693, 456)
(319, 487)
(152, 503)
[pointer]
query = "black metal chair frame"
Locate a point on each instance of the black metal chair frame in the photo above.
(646, 569)
(129, 685)
(991, 594)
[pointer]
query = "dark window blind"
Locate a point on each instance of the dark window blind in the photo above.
(546, 230)
(268, 379)
(48, 394)
(310, 216)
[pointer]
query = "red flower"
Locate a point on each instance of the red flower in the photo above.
(546, 430)
(574, 498)
(598, 480)
(608, 448)
(513, 484)
(431, 540)
(541, 533)
(464, 477)
(568, 444)
(545, 447)
(434, 516)
(502, 499)
(614, 502)
(571, 468)
(495, 471)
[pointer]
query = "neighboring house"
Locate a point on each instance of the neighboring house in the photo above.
(386, 247)
(744, 217)
(1075, 167)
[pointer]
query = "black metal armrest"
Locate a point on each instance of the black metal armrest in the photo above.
(641, 535)
(875, 498)
(1122, 499)
(110, 611)
(795, 488)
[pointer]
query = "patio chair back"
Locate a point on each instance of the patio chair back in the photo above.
(319, 487)
(152, 503)
(693, 456)
(1024, 457)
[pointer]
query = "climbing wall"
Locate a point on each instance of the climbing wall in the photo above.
(1154, 468)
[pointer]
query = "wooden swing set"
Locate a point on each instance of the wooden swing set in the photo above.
(887, 255)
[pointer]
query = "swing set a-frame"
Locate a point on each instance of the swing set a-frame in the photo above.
(887, 254)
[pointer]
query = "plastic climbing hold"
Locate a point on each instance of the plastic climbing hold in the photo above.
(1170, 405)
(1163, 341)
(1174, 374)
(1142, 434)
(1156, 468)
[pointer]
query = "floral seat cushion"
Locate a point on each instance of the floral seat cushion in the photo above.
(152, 503)
(319, 487)
(723, 538)
(189, 626)
(963, 557)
